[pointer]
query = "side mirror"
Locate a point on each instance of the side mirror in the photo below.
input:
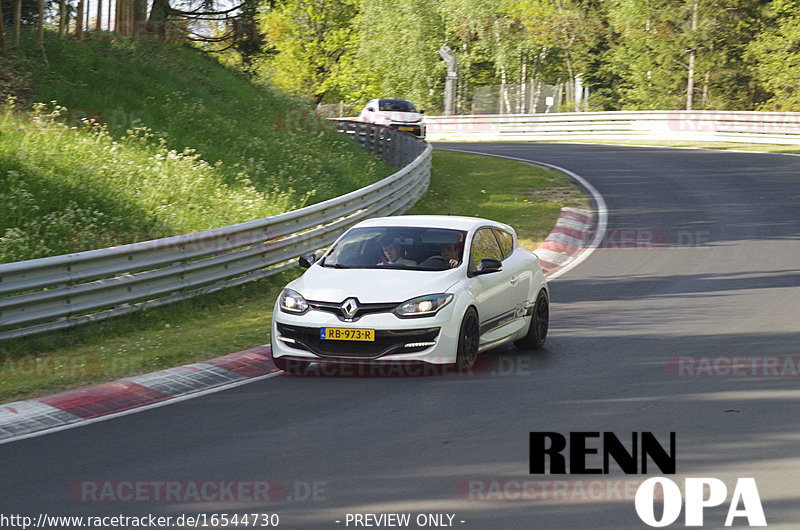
(488, 265)
(422, 111)
(307, 260)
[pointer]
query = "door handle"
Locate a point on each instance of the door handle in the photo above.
(514, 280)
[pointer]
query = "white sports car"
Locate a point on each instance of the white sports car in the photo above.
(397, 114)
(431, 289)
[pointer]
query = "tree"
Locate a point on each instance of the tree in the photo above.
(29, 12)
(310, 46)
(472, 29)
(247, 42)
(776, 54)
(560, 37)
(649, 52)
(398, 50)
(726, 28)
(673, 54)
(633, 54)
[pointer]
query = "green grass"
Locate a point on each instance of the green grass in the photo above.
(524, 196)
(185, 145)
(67, 190)
(187, 98)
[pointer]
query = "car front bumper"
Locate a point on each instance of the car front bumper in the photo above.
(425, 339)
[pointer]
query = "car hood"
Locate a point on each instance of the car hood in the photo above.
(372, 285)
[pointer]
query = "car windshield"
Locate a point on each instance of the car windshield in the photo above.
(395, 247)
(396, 105)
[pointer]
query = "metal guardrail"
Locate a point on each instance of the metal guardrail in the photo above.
(724, 126)
(62, 291)
(394, 147)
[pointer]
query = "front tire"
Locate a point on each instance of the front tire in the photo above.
(468, 339)
(540, 322)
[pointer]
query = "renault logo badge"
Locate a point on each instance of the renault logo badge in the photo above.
(349, 308)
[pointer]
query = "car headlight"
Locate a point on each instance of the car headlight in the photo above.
(423, 306)
(293, 302)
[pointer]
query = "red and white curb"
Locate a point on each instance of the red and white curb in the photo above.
(563, 249)
(23, 419)
(566, 241)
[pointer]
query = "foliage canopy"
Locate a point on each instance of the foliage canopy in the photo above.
(632, 54)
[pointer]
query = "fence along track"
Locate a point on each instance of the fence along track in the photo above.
(702, 126)
(63, 291)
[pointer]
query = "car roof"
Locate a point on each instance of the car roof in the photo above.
(454, 222)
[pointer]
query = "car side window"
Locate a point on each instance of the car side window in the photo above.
(506, 241)
(484, 245)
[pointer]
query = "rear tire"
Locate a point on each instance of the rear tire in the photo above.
(540, 322)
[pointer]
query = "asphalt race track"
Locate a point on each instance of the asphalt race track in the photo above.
(685, 320)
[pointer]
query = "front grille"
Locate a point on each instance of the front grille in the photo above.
(363, 309)
(386, 342)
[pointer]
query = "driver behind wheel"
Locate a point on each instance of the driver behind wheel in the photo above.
(393, 255)
(451, 254)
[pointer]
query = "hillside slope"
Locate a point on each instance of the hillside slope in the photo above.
(186, 145)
